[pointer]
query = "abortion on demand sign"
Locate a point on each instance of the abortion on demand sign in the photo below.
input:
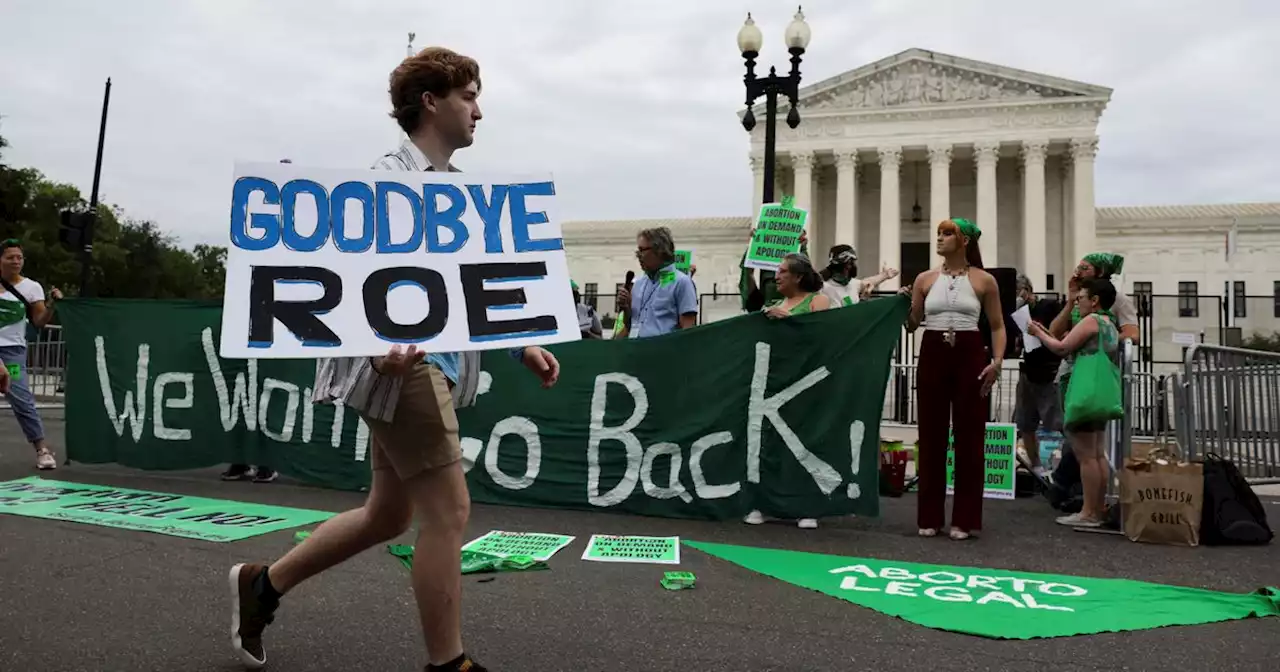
(346, 263)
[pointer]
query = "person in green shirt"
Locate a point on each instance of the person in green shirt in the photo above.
(757, 295)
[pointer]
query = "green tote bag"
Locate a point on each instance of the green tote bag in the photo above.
(1094, 393)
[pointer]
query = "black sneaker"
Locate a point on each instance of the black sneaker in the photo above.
(462, 664)
(265, 475)
(237, 472)
(251, 613)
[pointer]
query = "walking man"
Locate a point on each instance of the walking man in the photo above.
(408, 400)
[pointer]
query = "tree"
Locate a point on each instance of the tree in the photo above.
(1260, 341)
(131, 258)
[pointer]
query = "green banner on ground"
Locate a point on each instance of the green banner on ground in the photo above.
(654, 550)
(999, 455)
(162, 513)
(782, 416)
(998, 603)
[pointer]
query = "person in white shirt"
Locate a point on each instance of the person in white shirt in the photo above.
(22, 301)
(841, 283)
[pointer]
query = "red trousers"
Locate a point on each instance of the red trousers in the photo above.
(949, 395)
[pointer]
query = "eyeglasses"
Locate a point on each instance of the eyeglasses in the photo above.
(642, 250)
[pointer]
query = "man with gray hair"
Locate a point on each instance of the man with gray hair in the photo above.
(663, 299)
(1038, 404)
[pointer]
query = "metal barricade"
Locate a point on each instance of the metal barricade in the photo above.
(1227, 401)
(1119, 437)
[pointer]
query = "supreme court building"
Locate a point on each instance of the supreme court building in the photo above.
(886, 151)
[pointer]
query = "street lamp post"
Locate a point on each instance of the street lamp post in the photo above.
(749, 42)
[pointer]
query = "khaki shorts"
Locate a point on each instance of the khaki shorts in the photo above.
(424, 433)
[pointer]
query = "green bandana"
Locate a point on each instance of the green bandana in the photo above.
(968, 228)
(666, 277)
(1106, 263)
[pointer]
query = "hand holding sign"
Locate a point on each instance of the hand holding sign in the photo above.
(779, 231)
(397, 363)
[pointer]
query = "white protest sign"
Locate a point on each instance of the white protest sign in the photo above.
(347, 263)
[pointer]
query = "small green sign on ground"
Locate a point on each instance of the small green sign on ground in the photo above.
(1000, 457)
(777, 234)
(655, 550)
(537, 545)
(175, 515)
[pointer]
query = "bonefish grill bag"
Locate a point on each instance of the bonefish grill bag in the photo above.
(1162, 498)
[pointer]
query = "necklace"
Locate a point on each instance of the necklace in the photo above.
(954, 276)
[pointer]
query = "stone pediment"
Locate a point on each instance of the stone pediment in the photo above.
(920, 78)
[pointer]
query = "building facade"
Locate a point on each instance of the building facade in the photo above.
(886, 151)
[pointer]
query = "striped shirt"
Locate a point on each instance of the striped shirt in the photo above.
(353, 382)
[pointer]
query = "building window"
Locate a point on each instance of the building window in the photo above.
(1142, 292)
(1188, 299)
(1275, 289)
(1048, 283)
(591, 295)
(1241, 299)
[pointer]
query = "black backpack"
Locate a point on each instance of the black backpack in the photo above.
(1232, 513)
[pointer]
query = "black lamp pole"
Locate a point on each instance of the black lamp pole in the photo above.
(771, 88)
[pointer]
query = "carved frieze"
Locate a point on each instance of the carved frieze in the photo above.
(922, 83)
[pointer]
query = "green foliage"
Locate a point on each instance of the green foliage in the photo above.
(1260, 341)
(131, 258)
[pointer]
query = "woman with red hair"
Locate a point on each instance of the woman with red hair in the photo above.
(955, 375)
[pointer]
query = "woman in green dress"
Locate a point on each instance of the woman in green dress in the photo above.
(800, 291)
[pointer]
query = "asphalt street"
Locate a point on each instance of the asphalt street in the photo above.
(78, 597)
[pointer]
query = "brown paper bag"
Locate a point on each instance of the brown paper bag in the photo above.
(1161, 497)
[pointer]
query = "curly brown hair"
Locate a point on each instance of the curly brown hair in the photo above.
(433, 70)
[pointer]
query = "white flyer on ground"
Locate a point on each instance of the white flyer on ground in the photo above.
(1022, 318)
(628, 548)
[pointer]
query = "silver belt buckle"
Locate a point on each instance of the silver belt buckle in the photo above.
(949, 338)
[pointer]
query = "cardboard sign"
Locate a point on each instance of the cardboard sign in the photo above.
(777, 234)
(346, 263)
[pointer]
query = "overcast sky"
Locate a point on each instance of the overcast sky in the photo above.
(630, 104)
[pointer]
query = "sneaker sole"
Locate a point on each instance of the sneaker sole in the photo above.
(236, 643)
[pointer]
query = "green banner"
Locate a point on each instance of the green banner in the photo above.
(1000, 457)
(995, 602)
(748, 413)
(162, 513)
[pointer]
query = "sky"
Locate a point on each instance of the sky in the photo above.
(631, 105)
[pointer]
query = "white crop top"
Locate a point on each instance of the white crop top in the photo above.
(951, 305)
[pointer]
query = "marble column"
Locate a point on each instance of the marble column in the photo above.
(757, 194)
(985, 156)
(846, 198)
(1035, 253)
(1083, 151)
(939, 185)
(890, 212)
(802, 170)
